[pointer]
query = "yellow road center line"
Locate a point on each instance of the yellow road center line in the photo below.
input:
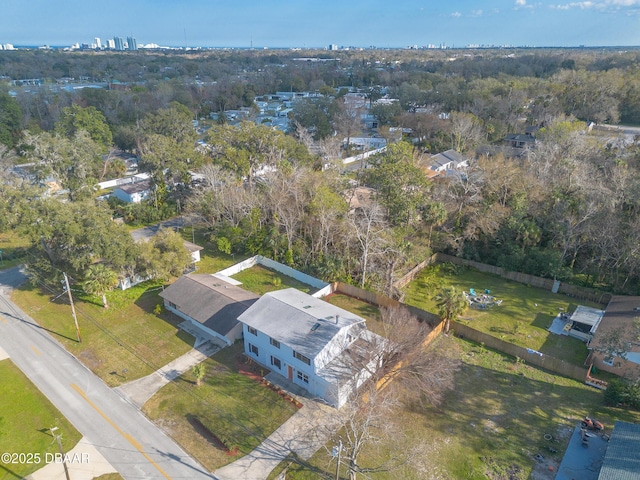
(37, 352)
(127, 436)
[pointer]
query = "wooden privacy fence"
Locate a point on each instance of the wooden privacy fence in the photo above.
(529, 356)
(584, 293)
(383, 301)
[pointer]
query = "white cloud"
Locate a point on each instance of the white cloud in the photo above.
(456, 14)
(476, 13)
(606, 6)
(521, 3)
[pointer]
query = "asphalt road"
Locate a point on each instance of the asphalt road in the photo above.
(128, 440)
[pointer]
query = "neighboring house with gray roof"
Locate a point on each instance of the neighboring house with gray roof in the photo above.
(622, 460)
(310, 342)
(615, 346)
(133, 192)
(446, 163)
(210, 304)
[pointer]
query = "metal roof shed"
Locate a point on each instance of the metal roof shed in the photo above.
(622, 461)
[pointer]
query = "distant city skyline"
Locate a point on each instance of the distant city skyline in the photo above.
(306, 23)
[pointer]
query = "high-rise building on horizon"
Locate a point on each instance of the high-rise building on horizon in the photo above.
(132, 43)
(118, 43)
(98, 42)
(111, 44)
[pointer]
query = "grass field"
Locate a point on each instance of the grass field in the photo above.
(211, 260)
(231, 405)
(10, 245)
(260, 280)
(25, 419)
(491, 426)
(371, 313)
(125, 342)
(522, 318)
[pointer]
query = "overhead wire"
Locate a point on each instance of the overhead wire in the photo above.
(154, 367)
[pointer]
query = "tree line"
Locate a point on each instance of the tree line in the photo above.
(566, 209)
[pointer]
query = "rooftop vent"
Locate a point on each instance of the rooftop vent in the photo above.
(315, 327)
(307, 306)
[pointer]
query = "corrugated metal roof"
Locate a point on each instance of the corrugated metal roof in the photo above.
(587, 315)
(211, 301)
(622, 459)
(289, 316)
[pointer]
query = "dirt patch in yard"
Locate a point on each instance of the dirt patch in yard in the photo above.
(547, 463)
(89, 359)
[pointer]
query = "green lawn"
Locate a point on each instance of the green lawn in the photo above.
(25, 419)
(522, 318)
(493, 423)
(231, 405)
(120, 344)
(211, 260)
(260, 280)
(12, 245)
(371, 313)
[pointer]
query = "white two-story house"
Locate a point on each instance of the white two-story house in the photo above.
(312, 343)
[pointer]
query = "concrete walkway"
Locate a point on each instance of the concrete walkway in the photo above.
(83, 461)
(304, 433)
(3, 354)
(140, 390)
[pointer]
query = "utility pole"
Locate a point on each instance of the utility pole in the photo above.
(339, 449)
(58, 438)
(73, 309)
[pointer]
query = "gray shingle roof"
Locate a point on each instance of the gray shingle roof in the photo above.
(207, 299)
(622, 459)
(289, 316)
(136, 187)
(444, 158)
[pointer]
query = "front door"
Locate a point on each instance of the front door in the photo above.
(290, 371)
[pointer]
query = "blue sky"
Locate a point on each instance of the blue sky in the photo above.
(316, 23)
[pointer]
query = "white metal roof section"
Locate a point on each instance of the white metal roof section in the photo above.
(587, 316)
(299, 320)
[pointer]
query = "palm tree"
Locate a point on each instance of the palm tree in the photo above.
(199, 372)
(99, 280)
(451, 304)
(433, 214)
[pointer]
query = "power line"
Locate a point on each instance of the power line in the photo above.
(231, 419)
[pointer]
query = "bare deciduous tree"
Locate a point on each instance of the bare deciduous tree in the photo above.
(368, 226)
(402, 370)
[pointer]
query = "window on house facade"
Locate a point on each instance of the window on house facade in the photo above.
(275, 343)
(608, 360)
(173, 305)
(276, 362)
(253, 349)
(302, 358)
(252, 331)
(303, 377)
